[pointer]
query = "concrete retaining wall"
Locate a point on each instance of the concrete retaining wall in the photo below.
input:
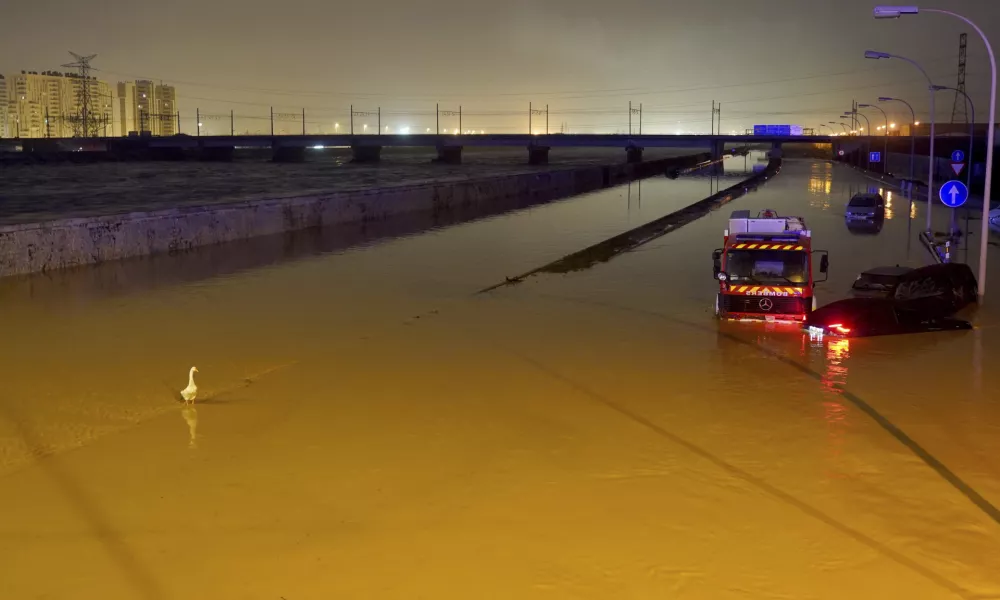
(40, 247)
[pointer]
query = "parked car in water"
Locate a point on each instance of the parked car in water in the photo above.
(939, 290)
(865, 206)
(865, 226)
(866, 317)
(879, 282)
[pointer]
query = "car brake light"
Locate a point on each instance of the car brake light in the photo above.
(840, 328)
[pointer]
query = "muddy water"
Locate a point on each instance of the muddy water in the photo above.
(368, 428)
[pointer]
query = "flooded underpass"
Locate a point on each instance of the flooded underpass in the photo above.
(367, 426)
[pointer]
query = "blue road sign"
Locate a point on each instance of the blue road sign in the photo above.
(958, 156)
(874, 157)
(954, 194)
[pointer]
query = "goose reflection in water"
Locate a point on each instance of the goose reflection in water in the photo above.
(190, 415)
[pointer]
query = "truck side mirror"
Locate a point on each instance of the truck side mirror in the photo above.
(824, 264)
(716, 263)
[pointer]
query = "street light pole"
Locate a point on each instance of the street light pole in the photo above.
(913, 121)
(890, 12)
(846, 130)
(931, 157)
(868, 142)
(885, 139)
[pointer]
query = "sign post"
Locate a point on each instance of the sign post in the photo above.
(957, 166)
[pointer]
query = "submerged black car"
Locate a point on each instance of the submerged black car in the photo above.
(866, 317)
(939, 290)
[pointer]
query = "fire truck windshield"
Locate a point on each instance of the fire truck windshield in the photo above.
(768, 266)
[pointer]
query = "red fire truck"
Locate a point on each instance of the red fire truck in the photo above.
(765, 268)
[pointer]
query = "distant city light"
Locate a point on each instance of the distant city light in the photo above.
(456, 132)
(892, 125)
(317, 147)
(199, 125)
(917, 123)
(428, 130)
(405, 130)
(481, 131)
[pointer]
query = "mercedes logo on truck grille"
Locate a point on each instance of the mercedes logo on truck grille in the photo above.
(766, 304)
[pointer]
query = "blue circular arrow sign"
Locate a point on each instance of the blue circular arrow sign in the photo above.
(954, 194)
(957, 156)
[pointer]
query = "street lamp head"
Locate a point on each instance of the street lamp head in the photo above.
(938, 88)
(876, 55)
(884, 99)
(893, 12)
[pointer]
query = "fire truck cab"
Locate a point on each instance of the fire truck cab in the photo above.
(765, 268)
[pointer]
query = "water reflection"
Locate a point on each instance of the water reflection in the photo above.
(888, 204)
(820, 184)
(190, 416)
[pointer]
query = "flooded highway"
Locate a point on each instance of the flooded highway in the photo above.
(369, 427)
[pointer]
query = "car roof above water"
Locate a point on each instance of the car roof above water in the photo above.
(896, 271)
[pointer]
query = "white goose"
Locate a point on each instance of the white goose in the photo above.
(189, 393)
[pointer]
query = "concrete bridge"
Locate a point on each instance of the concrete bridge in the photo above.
(368, 148)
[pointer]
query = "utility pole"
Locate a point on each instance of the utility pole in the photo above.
(546, 119)
(303, 121)
(713, 117)
(272, 121)
(232, 122)
(437, 119)
(530, 112)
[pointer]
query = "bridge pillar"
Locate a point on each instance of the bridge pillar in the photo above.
(538, 155)
(633, 155)
(215, 154)
(718, 149)
(449, 155)
(366, 153)
(289, 154)
(775, 150)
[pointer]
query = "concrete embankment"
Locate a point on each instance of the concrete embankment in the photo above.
(56, 244)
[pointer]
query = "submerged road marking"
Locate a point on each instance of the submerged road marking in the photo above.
(750, 478)
(929, 459)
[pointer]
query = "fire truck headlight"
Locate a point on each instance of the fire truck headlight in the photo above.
(723, 277)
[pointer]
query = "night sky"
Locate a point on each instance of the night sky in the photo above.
(767, 61)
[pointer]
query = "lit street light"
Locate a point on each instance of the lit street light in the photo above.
(913, 119)
(846, 130)
(931, 164)
(885, 141)
(336, 127)
(891, 12)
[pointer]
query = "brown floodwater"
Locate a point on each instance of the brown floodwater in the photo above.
(369, 427)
